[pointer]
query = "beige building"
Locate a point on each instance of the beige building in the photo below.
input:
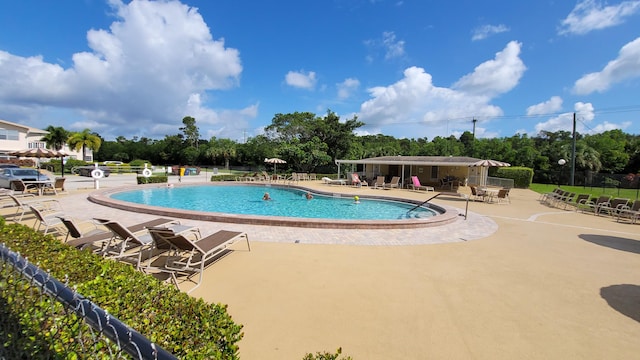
(15, 136)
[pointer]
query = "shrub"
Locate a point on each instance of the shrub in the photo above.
(139, 163)
(227, 177)
(155, 179)
(522, 176)
(187, 327)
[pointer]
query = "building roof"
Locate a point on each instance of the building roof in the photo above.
(415, 160)
(29, 129)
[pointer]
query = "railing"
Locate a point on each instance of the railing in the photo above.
(68, 325)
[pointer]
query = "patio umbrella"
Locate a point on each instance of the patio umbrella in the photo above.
(484, 166)
(37, 153)
(489, 163)
(274, 161)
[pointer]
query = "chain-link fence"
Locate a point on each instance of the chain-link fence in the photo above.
(609, 183)
(41, 318)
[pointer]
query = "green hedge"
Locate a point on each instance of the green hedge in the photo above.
(522, 176)
(228, 177)
(155, 179)
(187, 327)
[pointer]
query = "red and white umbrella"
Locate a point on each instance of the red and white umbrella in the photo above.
(274, 161)
(489, 163)
(39, 153)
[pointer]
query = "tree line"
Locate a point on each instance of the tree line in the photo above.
(311, 143)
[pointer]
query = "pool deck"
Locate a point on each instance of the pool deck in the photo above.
(513, 281)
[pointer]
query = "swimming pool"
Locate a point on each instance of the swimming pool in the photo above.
(242, 203)
(289, 202)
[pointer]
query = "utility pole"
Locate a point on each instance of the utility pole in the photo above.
(573, 153)
(474, 128)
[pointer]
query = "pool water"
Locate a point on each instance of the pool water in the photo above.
(286, 202)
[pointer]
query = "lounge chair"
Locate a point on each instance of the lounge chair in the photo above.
(592, 206)
(355, 181)
(415, 185)
(565, 198)
(127, 245)
(579, 199)
(329, 181)
(190, 257)
(45, 217)
(74, 229)
(379, 182)
(84, 241)
(612, 206)
(394, 183)
(631, 212)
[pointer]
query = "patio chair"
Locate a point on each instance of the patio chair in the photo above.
(191, 257)
(330, 181)
(46, 218)
(563, 199)
(126, 245)
(55, 187)
(415, 185)
(579, 199)
(379, 182)
(394, 183)
(18, 185)
(631, 212)
(478, 193)
(75, 229)
(102, 238)
(543, 197)
(355, 181)
(503, 196)
(612, 206)
(592, 206)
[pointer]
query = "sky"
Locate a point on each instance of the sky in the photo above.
(406, 68)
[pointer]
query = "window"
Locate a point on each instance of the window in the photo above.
(434, 172)
(9, 134)
(37, 145)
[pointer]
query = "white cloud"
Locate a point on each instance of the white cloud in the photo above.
(346, 88)
(427, 110)
(483, 32)
(564, 121)
(589, 15)
(626, 66)
(391, 47)
(301, 80)
(138, 75)
(497, 76)
(554, 104)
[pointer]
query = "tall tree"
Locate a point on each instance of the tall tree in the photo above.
(83, 140)
(226, 148)
(190, 130)
(56, 138)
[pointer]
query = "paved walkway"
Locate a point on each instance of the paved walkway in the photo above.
(535, 283)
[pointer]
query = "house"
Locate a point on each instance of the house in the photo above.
(15, 136)
(438, 171)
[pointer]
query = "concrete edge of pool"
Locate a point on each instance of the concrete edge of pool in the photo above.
(446, 216)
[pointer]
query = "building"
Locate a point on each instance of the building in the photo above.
(436, 171)
(19, 137)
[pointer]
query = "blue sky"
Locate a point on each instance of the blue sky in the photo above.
(409, 68)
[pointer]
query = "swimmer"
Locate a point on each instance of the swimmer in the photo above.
(169, 185)
(356, 199)
(266, 196)
(308, 196)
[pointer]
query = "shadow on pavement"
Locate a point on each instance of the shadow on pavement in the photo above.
(613, 242)
(624, 298)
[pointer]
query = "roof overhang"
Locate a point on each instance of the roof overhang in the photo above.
(414, 160)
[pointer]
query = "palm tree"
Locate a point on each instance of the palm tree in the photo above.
(222, 147)
(83, 140)
(56, 138)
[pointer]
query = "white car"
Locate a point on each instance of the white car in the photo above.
(24, 174)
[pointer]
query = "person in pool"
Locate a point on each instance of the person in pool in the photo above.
(308, 196)
(356, 199)
(266, 196)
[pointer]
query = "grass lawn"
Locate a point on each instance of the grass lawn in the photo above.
(630, 194)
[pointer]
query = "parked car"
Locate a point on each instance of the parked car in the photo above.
(5, 166)
(24, 174)
(86, 170)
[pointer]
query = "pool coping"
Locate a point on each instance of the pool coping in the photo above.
(448, 214)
